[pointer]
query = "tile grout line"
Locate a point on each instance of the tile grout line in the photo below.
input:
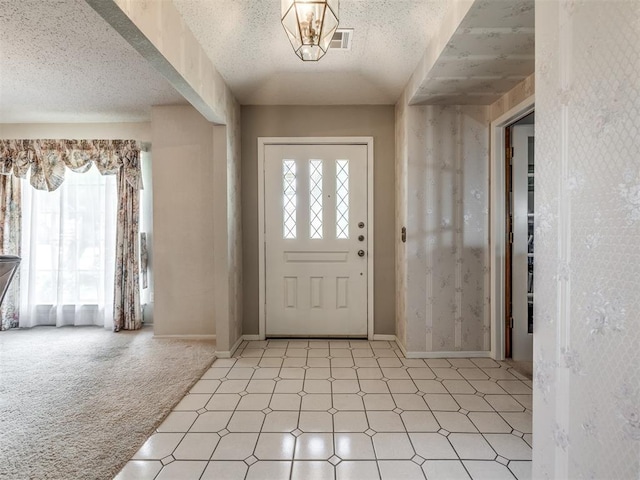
(393, 395)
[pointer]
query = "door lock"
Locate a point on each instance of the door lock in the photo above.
(361, 238)
(361, 253)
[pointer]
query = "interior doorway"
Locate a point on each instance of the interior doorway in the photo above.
(499, 229)
(519, 225)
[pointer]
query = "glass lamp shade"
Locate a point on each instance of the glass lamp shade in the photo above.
(310, 25)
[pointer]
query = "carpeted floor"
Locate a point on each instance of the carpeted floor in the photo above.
(78, 402)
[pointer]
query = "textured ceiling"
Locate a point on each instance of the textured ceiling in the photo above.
(491, 51)
(61, 62)
(248, 46)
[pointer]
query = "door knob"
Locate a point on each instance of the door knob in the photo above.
(361, 238)
(361, 253)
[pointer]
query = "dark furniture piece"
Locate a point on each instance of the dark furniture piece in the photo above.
(8, 267)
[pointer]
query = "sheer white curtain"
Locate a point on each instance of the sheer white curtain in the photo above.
(68, 252)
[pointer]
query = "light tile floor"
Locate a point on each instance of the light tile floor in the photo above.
(304, 410)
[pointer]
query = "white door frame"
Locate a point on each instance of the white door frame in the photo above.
(262, 142)
(497, 215)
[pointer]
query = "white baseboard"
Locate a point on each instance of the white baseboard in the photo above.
(450, 354)
(251, 338)
(447, 354)
(402, 348)
(379, 337)
(187, 337)
(229, 353)
(236, 345)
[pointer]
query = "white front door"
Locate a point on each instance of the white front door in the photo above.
(315, 210)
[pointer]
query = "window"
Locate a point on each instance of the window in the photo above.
(68, 250)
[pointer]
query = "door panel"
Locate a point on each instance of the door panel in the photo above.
(315, 214)
(522, 248)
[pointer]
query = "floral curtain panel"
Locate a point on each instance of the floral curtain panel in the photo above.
(48, 160)
(126, 309)
(10, 215)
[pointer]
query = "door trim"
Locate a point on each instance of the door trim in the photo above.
(497, 211)
(264, 141)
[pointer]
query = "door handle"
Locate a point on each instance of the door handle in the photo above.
(361, 253)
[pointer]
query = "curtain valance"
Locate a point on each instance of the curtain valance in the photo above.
(48, 159)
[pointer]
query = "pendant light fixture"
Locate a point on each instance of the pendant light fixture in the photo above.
(310, 25)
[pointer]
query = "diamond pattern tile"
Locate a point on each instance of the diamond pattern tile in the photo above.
(391, 417)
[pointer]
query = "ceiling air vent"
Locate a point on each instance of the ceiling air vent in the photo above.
(342, 39)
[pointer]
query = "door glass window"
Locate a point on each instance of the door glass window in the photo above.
(342, 199)
(315, 199)
(289, 198)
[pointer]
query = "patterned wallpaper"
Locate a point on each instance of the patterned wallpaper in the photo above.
(443, 269)
(513, 97)
(402, 113)
(587, 337)
(490, 52)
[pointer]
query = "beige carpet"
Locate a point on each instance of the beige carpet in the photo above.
(77, 402)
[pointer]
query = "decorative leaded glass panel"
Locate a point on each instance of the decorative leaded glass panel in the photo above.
(315, 199)
(342, 199)
(289, 198)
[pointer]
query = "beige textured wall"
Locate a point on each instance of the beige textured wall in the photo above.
(77, 131)
(281, 121)
(161, 24)
(158, 32)
(183, 219)
(233, 170)
(146, 226)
